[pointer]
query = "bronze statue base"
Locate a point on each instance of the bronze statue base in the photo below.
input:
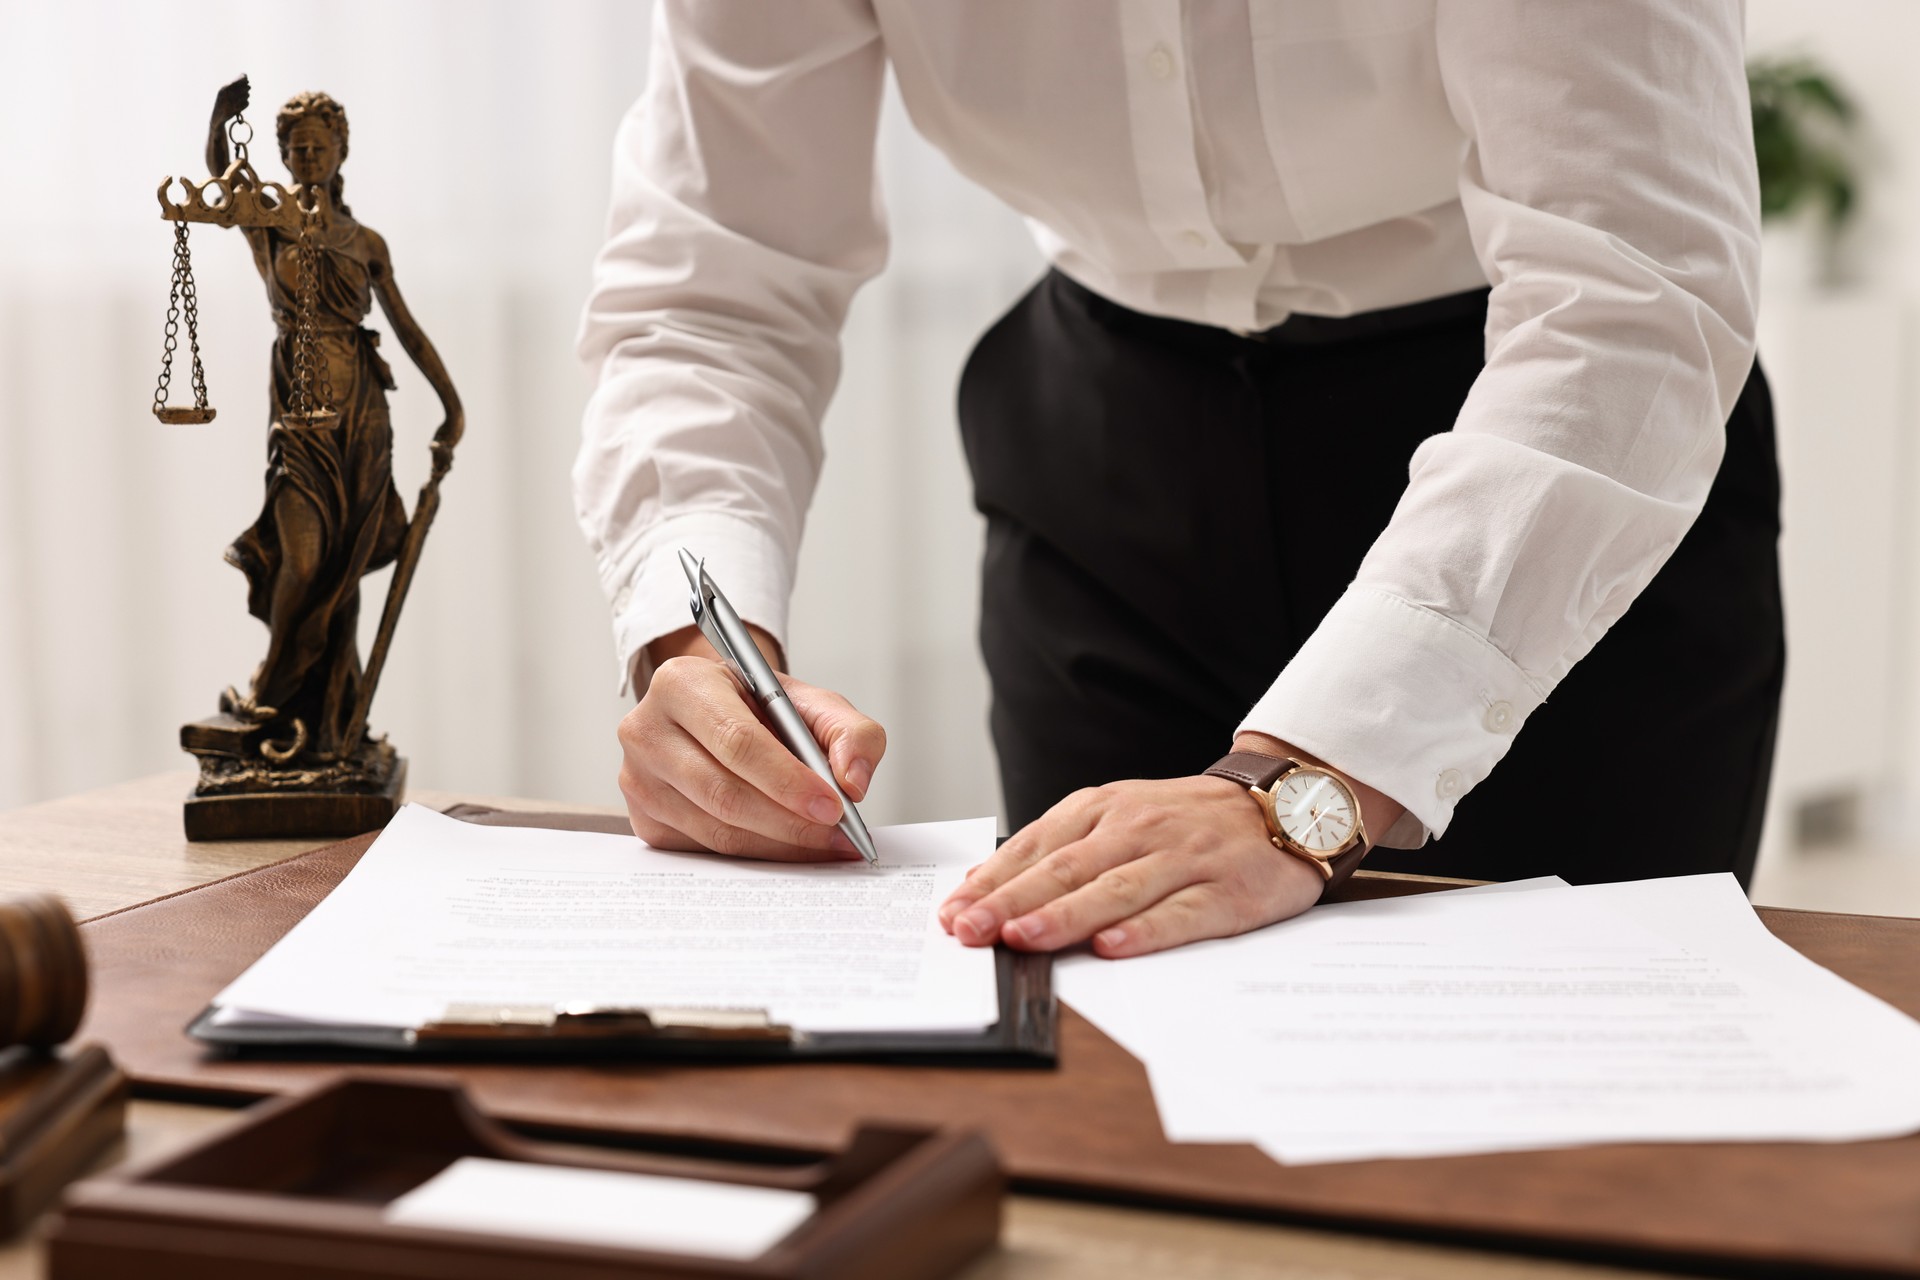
(242, 795)
(276, 814)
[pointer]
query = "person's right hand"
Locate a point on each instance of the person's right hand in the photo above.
(700, 770)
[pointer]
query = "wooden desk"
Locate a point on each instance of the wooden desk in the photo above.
(121, 845)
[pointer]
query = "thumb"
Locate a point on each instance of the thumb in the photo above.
(854, 743)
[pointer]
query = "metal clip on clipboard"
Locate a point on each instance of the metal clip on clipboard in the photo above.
(470, 1021)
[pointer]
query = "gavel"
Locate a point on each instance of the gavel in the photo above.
(43, 972)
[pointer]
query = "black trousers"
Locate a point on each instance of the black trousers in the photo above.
(1144, 584)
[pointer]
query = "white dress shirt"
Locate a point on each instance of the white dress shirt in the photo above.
(1228, 162)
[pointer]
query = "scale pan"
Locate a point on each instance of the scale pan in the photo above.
(187, 415)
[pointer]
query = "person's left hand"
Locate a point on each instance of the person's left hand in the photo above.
(1143, 866)
(1136, 866)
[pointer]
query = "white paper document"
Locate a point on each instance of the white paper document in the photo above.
(1457, 1022)
(598, 1206)
(442, 912)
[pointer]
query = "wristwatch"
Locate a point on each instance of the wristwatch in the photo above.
(1310, 812)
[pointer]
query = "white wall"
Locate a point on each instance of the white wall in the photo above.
(481, 137)
(121, 620)
(1844, 363)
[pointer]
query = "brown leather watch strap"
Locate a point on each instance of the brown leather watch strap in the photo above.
(1251, 769)
(1342, 867)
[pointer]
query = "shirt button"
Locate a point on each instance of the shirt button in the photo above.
(1194, 239)
(1160, 63)
(1449, 784)
(1499, 718)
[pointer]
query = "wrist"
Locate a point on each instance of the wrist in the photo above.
(688, 641)
(1378, 811)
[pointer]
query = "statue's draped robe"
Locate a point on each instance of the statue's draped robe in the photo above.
(344, 472)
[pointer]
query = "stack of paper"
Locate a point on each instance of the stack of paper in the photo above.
(1473, 1021)
(440, 912)
(604, 1206)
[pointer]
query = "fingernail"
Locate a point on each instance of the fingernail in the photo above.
(1111, 938)
(824, 809)
(859, 774)
(956, 903)
(1028, 930)
(974, 925)
(839, 843)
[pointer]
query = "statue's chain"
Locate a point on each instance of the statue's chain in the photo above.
(181, 295)
(309, 399)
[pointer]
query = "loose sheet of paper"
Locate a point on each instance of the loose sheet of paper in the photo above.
(598, 1206)
(440, 911)
(1456, 1022)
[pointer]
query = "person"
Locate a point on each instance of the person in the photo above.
(331, 513)
(1390, 351)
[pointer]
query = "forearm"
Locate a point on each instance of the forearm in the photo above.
(717, 304)
(1607, 187)
(689, 641)
(414, 342)
(217, 157)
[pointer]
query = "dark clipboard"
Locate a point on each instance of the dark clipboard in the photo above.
(1027, 1034)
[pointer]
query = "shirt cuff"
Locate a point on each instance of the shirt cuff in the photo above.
(650, 594)
(1404, 699)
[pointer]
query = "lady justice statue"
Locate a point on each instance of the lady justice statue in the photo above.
(292, 753)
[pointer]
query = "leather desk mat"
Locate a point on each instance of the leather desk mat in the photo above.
(1089, 1128)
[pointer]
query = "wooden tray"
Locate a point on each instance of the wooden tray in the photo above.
(297, 1190)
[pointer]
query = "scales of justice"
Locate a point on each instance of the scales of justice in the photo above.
(291, 755)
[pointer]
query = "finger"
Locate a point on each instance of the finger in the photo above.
(854, 742)
(662, 761)
(694, 780)
(1067, 821)
(1121, 892)
(1065, 870)
(666, 819)
(701, 697)
(1187, 915)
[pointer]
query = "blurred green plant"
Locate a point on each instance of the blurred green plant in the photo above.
(1804, 135)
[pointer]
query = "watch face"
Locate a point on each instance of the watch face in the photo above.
(1315, 810)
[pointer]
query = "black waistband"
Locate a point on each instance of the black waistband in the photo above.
(1297, 330)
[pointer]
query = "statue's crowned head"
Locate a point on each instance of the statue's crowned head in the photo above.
(312, 129)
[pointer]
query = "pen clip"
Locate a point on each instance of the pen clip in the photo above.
(706, 616)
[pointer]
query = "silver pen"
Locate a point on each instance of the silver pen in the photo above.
(729, 636)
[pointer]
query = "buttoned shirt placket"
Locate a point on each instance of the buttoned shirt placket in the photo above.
(1167, 166)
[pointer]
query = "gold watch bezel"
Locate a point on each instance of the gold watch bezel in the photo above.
(1286, 843)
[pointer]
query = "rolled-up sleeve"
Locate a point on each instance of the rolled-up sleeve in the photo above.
(744, 216)
(1610, 190)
